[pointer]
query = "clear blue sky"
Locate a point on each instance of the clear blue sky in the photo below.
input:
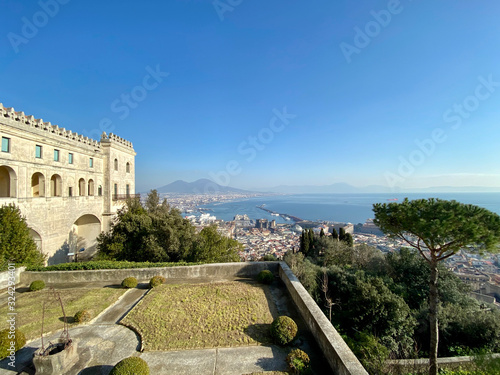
(360, 83)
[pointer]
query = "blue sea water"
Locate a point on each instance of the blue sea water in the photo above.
(352, 208)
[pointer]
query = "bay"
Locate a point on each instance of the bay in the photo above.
(346, 208)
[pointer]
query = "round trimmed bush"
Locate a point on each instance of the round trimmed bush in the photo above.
(129, 282)
(265, 277)
(298, 361)
(83, 316)
(156, 281)
(131, 366)
(6, 337)
(37, 285)
(283, 330)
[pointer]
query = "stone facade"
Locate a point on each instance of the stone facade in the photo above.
(69, 187)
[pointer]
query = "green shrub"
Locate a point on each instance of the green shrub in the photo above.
(298, 361)
(6, 337)
(265, 277)
(107, 265)
(131, 366)
(83, 316)
(269, 258)
(129, 282)
(283, 330)
(156, 281)
(37, 285)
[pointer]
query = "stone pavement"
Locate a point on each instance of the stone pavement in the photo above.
(104, 342)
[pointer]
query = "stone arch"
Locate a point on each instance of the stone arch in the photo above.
(38, 185)
(37, 238)
(81, 187)
(56, 186)
(8, 182)
(91, 188)
(83, 236)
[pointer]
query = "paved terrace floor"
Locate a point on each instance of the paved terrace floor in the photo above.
(104, 342)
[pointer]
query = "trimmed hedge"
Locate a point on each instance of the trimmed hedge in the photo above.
(298, 361)
(156, 281)
(107, 265)
(6, 336)
(283, 330)
(265, 277)
(83, 316)
(37, 285)
(131, 366)
(129, 282)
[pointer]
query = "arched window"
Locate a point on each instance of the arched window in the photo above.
(8, 182)
(91, 188)
(81, 187)
(37, 185)
(55, 186)
(127, 168)
(116, 164)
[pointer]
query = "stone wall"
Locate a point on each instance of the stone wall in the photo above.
(336, 351)
(206, 272)
(4, 277)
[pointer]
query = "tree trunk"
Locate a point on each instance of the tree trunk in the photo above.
(433, 318)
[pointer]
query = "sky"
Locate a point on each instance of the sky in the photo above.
(256, 94)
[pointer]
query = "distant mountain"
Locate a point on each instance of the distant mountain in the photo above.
(201, 186)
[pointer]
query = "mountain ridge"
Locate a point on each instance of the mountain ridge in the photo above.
(200, 186)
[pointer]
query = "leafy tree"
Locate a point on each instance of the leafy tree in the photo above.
(322, 233)
(304, 243)
(335, 235)
(341, 234)
(369, 350)
(438, 229)
(16, 244)
(154, 232)
(348, 239)
(307, 272)
(310, 235)
(212, 247)
(367, 305)
(269, 258)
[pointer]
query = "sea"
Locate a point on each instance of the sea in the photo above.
(343, 208)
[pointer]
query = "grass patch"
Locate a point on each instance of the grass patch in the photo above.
(29, 307)
(225, 314)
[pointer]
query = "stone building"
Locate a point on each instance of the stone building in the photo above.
(69, 187)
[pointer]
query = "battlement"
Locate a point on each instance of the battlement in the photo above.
(39, 124)
(114, 138)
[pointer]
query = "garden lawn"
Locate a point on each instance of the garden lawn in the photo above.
(29, 308)
(173, 317)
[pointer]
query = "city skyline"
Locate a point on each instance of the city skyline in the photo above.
(396, 93)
